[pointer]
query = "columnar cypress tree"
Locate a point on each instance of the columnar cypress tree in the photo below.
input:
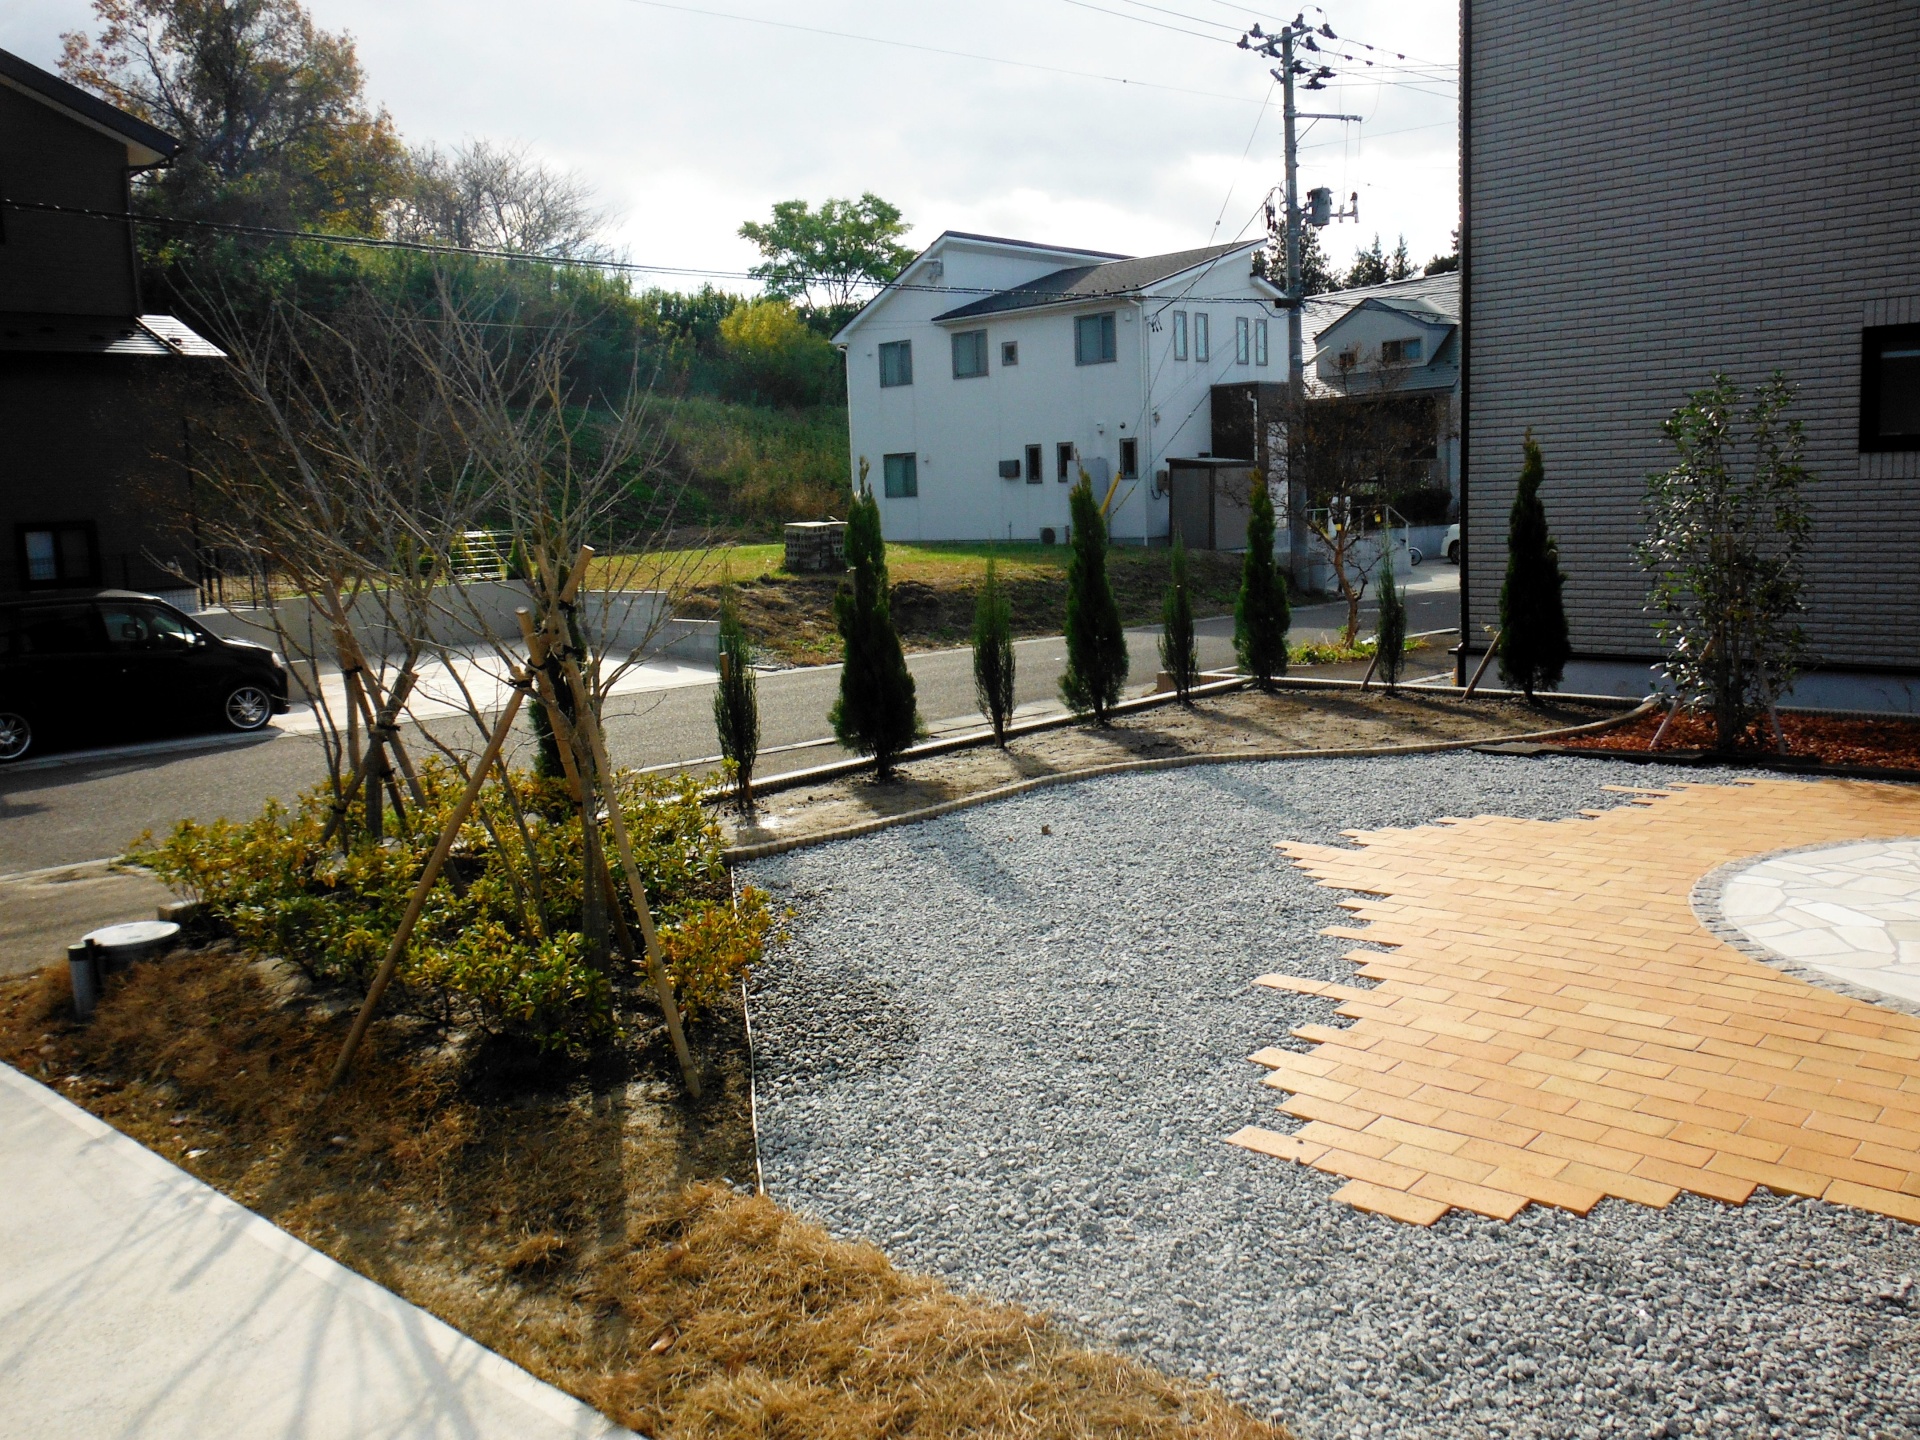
(1260, 616)
(736, 699)
(875, 713)
(993, 663)
(1533, 618)
(1179, 652)
(1391, 641)
(1096, 645)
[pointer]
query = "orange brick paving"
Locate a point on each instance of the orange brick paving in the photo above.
(1553, 1025)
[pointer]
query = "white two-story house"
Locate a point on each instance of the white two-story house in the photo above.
(983, 379)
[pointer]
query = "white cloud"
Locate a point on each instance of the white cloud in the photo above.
(689, 124)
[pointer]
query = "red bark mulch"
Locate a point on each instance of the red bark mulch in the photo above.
(1889, 744)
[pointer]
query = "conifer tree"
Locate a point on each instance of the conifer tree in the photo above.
(1179, 651)
(875, 714)
(1391, 641)
(1096, 645)
(1260, 615)
(736, 699)
(993, 665)
(1533, 619)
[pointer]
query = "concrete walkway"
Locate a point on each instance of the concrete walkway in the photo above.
(139, 1302)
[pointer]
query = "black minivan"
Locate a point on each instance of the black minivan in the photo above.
(118, 664)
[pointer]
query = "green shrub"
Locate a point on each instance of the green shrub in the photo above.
(499, 945)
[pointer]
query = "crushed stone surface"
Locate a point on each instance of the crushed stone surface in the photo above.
(1009, 1057)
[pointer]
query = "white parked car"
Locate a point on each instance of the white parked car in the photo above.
(1453, 544)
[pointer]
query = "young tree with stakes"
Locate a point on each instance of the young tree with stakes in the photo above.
(1390, 652)
(1260, 615)
(993, 663)
(1179, 651)
(1727, 534)
(736, 700)
(875, 714)
(1096, 645)
(1533, 618)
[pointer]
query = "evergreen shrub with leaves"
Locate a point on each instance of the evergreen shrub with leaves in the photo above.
(1096, 645)
(499, 946)
(1261, 615)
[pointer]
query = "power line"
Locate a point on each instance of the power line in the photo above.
(942, 50)
(424, 247)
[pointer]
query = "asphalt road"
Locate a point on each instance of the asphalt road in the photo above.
(86, 807)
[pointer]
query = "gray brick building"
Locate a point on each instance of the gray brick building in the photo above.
(1653, 192)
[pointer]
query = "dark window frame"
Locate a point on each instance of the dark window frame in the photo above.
(1034, 477)
(902, 348)
(1180, 335)
(975, 340)
(62, 580)
(1009, 353)
(1107, 348)
(1130, 458)
(1063, 457)
(909, 485)
(1875, 341)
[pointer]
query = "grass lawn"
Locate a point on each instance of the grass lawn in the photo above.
(791, 616)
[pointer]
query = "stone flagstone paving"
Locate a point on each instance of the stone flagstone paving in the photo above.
(1553, 1025)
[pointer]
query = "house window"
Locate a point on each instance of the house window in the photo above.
(896, 363)
(1093, 339)
(1242, 340)
(903, 476)
(1890, 388)
(1009, 352)
(53, 556)
(1202, 343)
(969, 354)
(1063, 457)
(1399, 352)
(1034, 477)
(1259, 342)
(1130, 459)
(1179, 334)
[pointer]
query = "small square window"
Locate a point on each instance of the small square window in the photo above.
(1890, 388)
(969, 354)
(1399, 352)
(1179, 334)
(1063, 455)
(1259, 342)
(1242, 340)
(1009, 352)
(896, 363)
(1093, 341)
(1130, 459)
(52, 556)
(1202, 342)
(903, 476)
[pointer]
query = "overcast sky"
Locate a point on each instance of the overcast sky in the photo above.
(687, 122)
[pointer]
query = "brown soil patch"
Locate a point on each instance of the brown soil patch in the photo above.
(578, 1222)
(1225, 725)
(1891, 743)
(791, 616)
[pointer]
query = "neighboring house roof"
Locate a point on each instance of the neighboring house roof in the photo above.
(146, 145)
(1439, 294)
(102, 335)
(1025, 244)
(1081, 283)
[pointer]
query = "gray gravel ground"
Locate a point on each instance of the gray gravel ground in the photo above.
(1008, 1057)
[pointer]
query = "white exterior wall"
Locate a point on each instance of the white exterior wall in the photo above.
(962, 429)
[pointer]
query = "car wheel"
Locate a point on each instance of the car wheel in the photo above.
(16, 735)
(1453, 553)
(249, 707)
(1414, 557)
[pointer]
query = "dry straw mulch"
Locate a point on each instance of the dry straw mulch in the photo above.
(579, 1222)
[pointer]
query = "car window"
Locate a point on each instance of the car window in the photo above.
(145, 627)
(59, 630)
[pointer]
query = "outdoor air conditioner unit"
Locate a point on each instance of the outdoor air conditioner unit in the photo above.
(1009, 469)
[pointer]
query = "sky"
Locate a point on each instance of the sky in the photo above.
(689, 118)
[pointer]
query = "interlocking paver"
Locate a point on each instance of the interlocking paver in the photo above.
(1551, 1023)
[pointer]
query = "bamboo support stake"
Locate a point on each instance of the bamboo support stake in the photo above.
(391, 709)
(384, 976)
(1485, 660)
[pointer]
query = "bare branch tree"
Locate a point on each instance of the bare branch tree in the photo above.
(488, 196)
